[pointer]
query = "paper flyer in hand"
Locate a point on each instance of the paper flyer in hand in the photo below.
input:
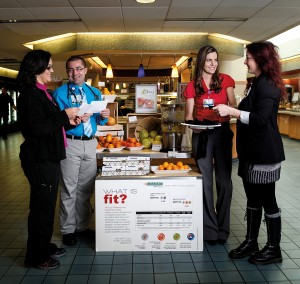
(93, 107)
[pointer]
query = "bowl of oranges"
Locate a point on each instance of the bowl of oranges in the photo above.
(132, 144)
(171, 168)
(109, 143)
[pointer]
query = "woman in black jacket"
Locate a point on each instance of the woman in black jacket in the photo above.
(42, 124)
(260, 151)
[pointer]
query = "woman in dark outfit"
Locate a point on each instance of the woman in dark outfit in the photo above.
(41, 123)
(260, 151)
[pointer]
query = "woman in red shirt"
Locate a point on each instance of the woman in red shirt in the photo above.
(212, 148)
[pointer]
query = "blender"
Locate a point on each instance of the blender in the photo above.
(172, 115)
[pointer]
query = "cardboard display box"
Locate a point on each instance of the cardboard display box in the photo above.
(114, 130)
(125, 166)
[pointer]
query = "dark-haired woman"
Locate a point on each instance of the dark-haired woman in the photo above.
(212, 148)
(41, 123)
(260, 151)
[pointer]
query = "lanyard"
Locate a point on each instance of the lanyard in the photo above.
(77, 98)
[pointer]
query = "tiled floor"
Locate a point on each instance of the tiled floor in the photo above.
(83, 265)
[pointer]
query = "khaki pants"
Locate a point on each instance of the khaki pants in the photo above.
(78, 173)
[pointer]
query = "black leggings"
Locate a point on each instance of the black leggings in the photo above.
(261, 196)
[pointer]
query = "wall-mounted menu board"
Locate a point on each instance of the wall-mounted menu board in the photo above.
(146, 98)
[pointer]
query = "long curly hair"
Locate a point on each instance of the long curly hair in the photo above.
(216, 81)
(34, 63)
(266, 56)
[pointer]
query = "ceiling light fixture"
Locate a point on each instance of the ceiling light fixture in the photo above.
(23, 21)
(141, 71)
(99, 62)
(145, 1)
(181, 60)
(174, 73)
(109, 71)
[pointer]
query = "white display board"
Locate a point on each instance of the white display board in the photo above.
(157, 214)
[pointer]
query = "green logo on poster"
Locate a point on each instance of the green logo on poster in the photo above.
(155, 184)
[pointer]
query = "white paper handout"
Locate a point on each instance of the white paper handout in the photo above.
(93, 107)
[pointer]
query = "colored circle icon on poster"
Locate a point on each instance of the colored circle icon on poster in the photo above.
(161, 236)
(145, 237)
(176, 237)
(190, 236)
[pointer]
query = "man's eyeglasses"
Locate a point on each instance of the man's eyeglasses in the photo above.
(77, 69)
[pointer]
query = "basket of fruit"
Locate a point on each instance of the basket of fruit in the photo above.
(148, 131)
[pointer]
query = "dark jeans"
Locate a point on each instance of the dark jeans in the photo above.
(43, 177)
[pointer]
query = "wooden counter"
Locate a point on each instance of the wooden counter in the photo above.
(289, 123)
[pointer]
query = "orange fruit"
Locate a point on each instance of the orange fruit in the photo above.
(101, 139)
(115, 140)
(169, 168)
(99, 146)
(108, 138)
(186, 167)
(111, 121)
(175, 168)
(111, 145)
(165, 164)
(179, 164)
(132, 140)
(161, 167)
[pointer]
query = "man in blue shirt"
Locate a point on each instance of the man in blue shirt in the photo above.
(78, 170)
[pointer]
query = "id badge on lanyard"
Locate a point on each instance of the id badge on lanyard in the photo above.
(208, 103)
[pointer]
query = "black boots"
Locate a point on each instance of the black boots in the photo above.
(250, 245)
(271, 253)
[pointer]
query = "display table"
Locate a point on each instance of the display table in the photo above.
(149, 213)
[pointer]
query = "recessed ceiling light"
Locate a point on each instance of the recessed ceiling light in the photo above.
(145, 1)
